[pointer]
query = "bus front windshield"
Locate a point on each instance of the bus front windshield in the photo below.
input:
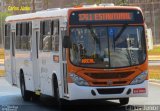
(107, 47)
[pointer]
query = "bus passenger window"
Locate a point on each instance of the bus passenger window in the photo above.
(30, 28)
(25, 38)
(27, 29)
(46, 35)
(41, 36)
(29, 35)
(55, 36)
(7, 36)
(18, 38)
(24, 29)
(52, 27)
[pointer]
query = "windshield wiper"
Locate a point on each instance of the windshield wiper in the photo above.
(93, 34)
(120, 33)
(129, 57)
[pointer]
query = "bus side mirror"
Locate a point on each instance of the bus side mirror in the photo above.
(66, 42)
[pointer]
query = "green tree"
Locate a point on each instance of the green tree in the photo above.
(122, 2)
(8, 1)
(95, 1)
(3, 16)
(80, 2)
(46, 4)
(18, 3)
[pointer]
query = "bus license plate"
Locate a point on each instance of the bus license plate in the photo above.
(139, 90)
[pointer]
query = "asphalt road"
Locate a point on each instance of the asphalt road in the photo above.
(10, 98)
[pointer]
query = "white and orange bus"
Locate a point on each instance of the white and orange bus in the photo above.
(94, 52)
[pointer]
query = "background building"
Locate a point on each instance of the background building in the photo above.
(151, 9)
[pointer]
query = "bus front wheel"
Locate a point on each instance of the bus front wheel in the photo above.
(124, 101)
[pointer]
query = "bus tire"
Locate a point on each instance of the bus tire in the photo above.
(26, 95)
(124, 101)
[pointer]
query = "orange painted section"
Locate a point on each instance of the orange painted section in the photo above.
(92, 75)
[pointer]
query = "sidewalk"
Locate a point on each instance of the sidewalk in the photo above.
(2, 72)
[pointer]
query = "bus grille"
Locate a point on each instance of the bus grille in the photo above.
(110, 78)
(110, 91)
(113, 75)
(115, 83)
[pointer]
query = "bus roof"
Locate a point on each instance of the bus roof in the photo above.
(38, 15)
(58, 12)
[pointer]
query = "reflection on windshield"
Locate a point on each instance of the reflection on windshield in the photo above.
(102, 47)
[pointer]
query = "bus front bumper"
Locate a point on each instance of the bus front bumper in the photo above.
(85, 92)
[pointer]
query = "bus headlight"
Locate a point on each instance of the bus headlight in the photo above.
(78, 80)
(140, 78)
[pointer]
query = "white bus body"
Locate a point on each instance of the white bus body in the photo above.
(39, 67)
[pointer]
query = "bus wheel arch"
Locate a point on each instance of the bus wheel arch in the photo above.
(21, 73)
(124, 101)
(55, 84)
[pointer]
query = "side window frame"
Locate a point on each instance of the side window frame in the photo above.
(45, 37)
(18, 35)
(41, 36)
(7, 36)
(55, 36)
(23, 35)
(51, 36)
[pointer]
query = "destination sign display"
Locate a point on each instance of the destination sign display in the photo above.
(91, 17)
(105, 16)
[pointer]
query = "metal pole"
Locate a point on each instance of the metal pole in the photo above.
(33, 5)
(1, 31)
(2, 38)
(154, 24)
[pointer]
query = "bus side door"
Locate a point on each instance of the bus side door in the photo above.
(63, 61)
(13, 60)
(35, 55)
